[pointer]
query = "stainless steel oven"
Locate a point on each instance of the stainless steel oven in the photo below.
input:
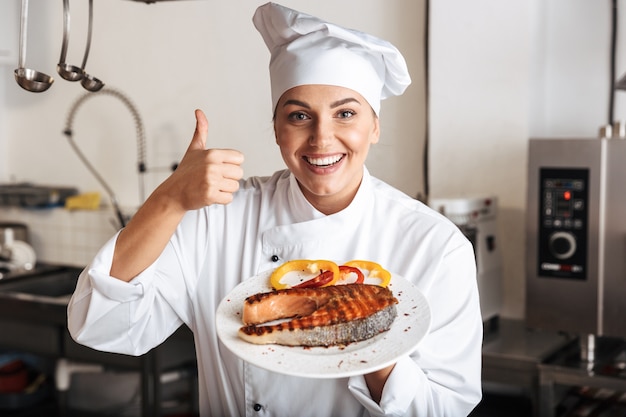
(576, 236)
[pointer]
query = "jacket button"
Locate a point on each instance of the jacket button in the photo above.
(257, 407)
(275, 258)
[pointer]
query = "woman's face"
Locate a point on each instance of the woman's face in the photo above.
(324, 134)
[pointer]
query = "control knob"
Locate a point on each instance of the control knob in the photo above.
(562, 245)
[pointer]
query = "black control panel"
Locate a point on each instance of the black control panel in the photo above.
(563, 214)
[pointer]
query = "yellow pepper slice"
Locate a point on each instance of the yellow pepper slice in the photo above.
(372, 270)
(307, 267)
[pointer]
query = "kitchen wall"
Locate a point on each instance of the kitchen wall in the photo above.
(500, 72)
(169, 59)
(63, 236)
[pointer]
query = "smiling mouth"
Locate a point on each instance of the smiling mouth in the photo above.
(325, 161)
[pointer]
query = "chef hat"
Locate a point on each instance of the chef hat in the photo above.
(307, 50)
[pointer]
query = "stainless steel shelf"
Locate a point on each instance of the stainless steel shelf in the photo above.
(567, 368)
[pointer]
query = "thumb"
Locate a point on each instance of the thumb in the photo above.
(201, 133)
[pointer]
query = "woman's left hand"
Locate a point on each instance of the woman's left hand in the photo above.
(376, 382)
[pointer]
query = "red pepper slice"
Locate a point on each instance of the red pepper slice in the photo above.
(346, 270)
(319, 281)
(306, 266)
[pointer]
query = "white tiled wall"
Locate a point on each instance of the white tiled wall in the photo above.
(62, 236)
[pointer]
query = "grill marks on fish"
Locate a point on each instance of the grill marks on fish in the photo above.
(319, 316)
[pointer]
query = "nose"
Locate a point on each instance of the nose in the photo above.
(321, 133)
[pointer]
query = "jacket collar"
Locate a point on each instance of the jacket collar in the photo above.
(311, 226)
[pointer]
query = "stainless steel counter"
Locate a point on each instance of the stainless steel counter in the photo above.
(512, 354)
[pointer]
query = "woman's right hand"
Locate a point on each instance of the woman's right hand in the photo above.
(204, 176)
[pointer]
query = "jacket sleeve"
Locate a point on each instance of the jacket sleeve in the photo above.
(442, 377)
(133, 317)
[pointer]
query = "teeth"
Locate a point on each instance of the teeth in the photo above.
(328, 160)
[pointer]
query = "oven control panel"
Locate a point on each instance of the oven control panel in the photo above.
(563, 213)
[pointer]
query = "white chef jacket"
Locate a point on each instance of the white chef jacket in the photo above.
(217, 247)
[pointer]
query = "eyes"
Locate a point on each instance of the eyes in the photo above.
(300, 115)
(297, 116)
(345, 114)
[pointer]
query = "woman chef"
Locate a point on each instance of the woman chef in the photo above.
(204, 230)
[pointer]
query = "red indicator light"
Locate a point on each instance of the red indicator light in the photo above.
(567, 195)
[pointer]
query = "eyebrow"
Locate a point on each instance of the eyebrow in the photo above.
(332, 105)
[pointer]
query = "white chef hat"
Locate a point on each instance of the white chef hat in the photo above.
(307, 50)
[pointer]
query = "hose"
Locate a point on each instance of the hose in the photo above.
(141, 144)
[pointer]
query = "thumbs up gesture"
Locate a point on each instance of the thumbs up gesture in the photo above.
(204, 176)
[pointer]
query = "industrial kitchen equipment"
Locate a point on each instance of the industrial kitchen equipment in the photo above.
(576, 236)
(476, 217)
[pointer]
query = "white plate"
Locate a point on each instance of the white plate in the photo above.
(412, 323)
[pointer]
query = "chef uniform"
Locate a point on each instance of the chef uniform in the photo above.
(269, 222)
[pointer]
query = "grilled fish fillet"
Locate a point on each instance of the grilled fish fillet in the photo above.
(326, 316)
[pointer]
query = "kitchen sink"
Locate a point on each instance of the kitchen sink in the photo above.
(53, 285)
(33, 309)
